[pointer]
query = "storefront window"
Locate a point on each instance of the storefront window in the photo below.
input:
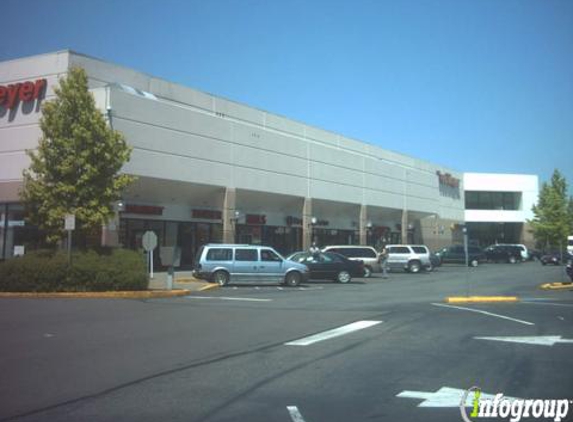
(493, 201)
(325, 237)
(284, 239)
(187, 235)
(16, 236)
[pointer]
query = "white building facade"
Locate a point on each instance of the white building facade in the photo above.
(213, 170)
(498, 207)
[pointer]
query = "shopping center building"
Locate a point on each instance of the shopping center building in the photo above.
(498, 207)
(212, 170)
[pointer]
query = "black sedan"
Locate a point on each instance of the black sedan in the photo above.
(329, 266)
(503, 253)
(551, 258)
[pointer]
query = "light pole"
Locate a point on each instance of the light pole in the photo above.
(465, 232)
(234, 220)
(313, 222)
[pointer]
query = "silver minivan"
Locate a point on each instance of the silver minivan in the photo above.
(225, 263)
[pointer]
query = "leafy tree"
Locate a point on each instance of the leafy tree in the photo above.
(76, 167)
(553, 214)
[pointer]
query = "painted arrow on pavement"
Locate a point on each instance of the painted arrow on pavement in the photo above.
(537, 340)
(445, 397)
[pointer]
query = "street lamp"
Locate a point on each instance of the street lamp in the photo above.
(313, 222)
(236, 216)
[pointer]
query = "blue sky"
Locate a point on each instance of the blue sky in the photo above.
(475, 85)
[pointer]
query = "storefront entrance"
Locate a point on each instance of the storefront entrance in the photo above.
(189, 236)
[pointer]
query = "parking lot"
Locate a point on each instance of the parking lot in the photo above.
(373, 349)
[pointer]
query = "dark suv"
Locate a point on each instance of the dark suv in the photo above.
(503, 253)
(455, 254)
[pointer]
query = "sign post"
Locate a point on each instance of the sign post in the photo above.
(466, 254)
(149, 242)
(69, 226)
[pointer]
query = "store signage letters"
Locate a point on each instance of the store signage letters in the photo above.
(143, 209)
(207, 214)
(322, 223)
(293, 221)
(25, 91)
(448, 180)
(255, 219)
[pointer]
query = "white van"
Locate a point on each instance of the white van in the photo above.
(523, 249)
(570, 244)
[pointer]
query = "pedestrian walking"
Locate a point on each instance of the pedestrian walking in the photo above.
(384, 262)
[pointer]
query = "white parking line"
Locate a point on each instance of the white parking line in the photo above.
(336, 332)
(479, 311)
(537, 302)
(295, 414)
(240, 299)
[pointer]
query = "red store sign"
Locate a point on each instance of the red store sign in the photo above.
(256, 219)
(143, 209)
(27, 91)
(207, 214)
(448, 180)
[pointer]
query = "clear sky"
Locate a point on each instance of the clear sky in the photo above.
(474, 85)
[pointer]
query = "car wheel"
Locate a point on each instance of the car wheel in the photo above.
(474, 263)
(343, 277)
(221, 278)
(543, 263)
(512, 260)
(367, 272)
(414, 267)
(429, 268)
(292, 279)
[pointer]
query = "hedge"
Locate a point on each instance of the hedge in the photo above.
(47, 271)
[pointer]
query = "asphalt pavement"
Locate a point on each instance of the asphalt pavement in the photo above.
(371, 350)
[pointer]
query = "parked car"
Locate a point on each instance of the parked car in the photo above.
(225, 263)
(522, 249)
(412, 258)
(329, 266)
(367, 254)
(503, 253)
(435, 260)
(569, 267)
(456, 254)
(553, 258)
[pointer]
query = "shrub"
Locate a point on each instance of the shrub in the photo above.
(45, 271)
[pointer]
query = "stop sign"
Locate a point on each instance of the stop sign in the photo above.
(149, 241)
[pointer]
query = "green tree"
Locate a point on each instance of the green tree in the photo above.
(553, 214)
(76, 167)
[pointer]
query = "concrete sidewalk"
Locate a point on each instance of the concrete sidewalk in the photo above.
(181, 280)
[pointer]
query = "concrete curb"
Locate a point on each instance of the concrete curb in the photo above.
(557, 286)
(481, 299)
(140, 294)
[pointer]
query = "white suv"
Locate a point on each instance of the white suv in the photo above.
(412, 258)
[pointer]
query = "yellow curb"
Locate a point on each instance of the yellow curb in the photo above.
(557, 286)
(481, 299)
(140, 294)
(187, 280)
(209, 287)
